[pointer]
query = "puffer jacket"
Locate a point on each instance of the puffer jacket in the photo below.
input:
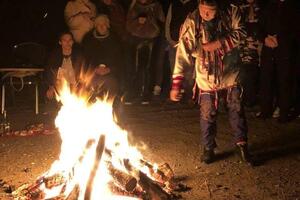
(79, 16)
(223, 71)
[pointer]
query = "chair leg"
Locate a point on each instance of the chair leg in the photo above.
(3, 99)
(36, 99)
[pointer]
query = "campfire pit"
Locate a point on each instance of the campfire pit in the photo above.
(97, 161)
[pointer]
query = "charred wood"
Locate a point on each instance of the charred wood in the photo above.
(54, 180)
(123, 180)
(99, 151)
(154, 191)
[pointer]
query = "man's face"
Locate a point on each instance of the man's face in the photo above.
(66, 41)
(107, 2)
(250, 1)
(143, 1)
(207, 12)
(102, 28)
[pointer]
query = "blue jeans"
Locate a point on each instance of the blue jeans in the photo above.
(208, 117)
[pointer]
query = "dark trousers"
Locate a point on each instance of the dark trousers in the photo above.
(138, 73)
(105, 85)
(158, 60)
(249, 76)
(208, 117)
(275, 78)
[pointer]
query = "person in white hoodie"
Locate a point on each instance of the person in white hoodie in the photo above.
(79, 16)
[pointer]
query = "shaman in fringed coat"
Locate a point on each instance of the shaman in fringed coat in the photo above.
(214, 70)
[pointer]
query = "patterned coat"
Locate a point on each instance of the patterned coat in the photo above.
(251, 46)
(216, 70)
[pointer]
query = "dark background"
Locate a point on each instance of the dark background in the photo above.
(29, 21)
(37, 21)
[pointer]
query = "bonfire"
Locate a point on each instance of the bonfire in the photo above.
(96, 160)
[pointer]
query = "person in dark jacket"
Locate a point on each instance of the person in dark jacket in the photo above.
(250, 50)
(144, 24)
(278, 31)
(116, 14)
(176, 14)
(103, 55)
(64, 63)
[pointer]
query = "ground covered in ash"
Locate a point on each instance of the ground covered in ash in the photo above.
(171, 134)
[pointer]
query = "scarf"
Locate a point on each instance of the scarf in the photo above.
(211, 61)
(98, 36)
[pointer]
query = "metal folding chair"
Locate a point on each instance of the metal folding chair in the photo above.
(29, 59)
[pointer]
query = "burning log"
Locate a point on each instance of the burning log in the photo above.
(154, 191)
(53, 181)
(99, 151)
(123, 180)
(29, 191)
(74, 194)
(166, 170)
(115, 189)
(162, 174)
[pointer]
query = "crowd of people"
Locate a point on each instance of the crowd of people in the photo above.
(241, 51)
(135, 43)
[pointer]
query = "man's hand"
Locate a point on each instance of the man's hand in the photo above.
(211, 46)
(142, 20)
(50, 92)
(102, 70)
(175, 95)
(271, 41)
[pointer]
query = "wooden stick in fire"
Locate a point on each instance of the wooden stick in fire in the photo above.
(122, 179)
(99, 151)
(154, 190)
(162, 174)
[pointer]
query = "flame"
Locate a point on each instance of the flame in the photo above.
(81, 124)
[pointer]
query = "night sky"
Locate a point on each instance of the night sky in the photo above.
(29, 20)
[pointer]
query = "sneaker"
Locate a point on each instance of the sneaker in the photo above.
(276, 113)
(208, 156)
(258, 114)
(243, 152)
(128, 103)
(126, 99)
(145, 100)
(156, 90)
(261, 115)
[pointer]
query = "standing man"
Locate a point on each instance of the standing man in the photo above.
(208, 41)
(250, 51)
(278, 24)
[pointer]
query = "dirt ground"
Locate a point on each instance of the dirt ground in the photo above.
(171, 133)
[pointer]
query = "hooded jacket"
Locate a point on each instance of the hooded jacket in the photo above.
(79, 16)
(154, 15)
